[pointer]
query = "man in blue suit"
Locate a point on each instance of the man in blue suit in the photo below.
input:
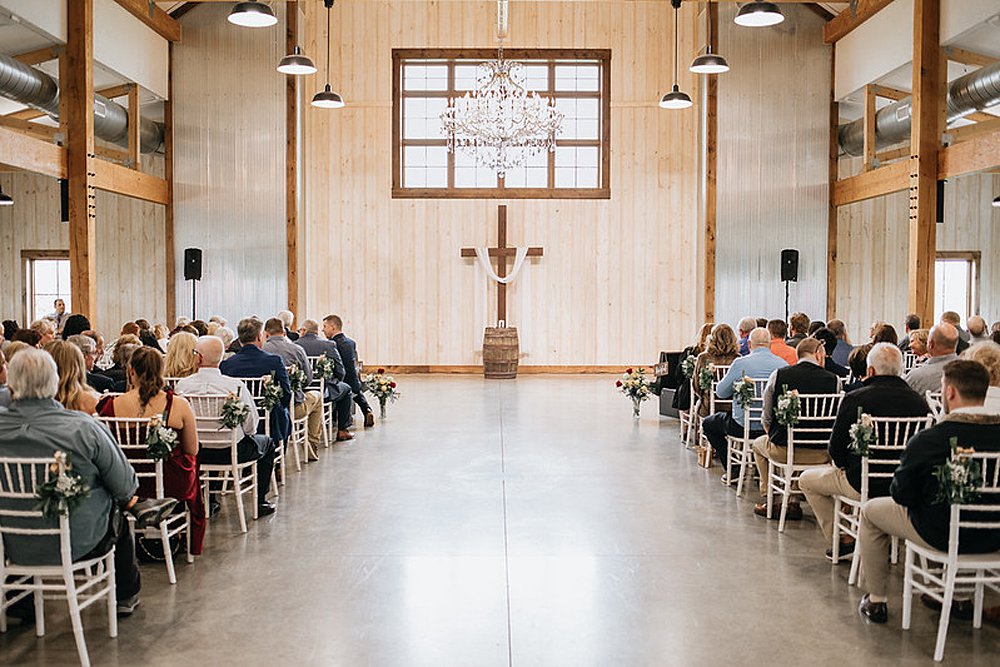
(333, 328)
(251, 361)
(758, 365)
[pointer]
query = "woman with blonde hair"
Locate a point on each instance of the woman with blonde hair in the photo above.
(988, 354)
(181, 359)
(74, 392)
(722, 348)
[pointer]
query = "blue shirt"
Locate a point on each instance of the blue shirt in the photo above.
(745, 346)
(758, 365)
(842, 352)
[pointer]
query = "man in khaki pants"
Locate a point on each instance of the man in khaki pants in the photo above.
(306, 403)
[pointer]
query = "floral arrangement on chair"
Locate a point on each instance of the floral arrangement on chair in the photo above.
(687, 366)
(160, 439)
(862, 434)
(706, 376)
(743, 392)
(296, 378)
(635, 385)
(958, 478)
(382, 387)
(60, 495)
(234, 412)
(788, 407)
(272, 394)
(325, 368)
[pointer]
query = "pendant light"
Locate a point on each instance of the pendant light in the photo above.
(708, 62)
(7, 200)
(328, 98)
(252, 14)
(296, 64)
(759, 14)
(676, 98)
(996, 201)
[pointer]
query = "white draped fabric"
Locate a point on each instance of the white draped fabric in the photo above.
(483, 255)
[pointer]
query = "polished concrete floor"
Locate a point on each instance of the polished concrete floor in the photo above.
(527, 522)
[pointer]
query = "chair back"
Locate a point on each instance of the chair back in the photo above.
(754, 412)
(935, 403)
(891, 436)
(256, 388)
(817, 413)
(130, 434)
(909, 361)
(207, 409)
(19, 482)
(318, 383)
(982, 513)
(716, 404)
(171, 383)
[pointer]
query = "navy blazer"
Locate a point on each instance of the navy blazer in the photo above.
(349, 354)
(252, 362)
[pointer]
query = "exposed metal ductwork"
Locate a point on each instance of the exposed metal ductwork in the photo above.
(967, 94)
(31, 86)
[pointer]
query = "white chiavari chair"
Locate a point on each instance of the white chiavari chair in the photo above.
(715, 404)
(909, 361)
(935, 403)
(740, 450)
(130, 434)
(256, 388)
(171, 383)
(816, 417)
(319, 384)
(81, 583)
(299, 437)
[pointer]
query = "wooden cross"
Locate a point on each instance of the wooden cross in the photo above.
(502, 252)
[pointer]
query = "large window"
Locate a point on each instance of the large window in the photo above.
(578, 81)
(46, 278)
(956, 284)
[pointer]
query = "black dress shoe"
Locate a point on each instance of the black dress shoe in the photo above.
(794, 511)
(873, 612)
(266, 509)
(846, 550)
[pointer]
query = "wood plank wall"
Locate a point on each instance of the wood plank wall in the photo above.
(615, 284)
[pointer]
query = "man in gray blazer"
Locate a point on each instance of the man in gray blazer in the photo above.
(307, 404)
(338, 392)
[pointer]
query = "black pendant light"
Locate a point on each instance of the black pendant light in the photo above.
(328, 98)
(996, 201)
(252, 14)
(708, 62)
(7, 200)
(759, 14)
(676, 98)
(297, 64)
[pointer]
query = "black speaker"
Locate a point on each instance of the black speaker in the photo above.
(64, 200)
(192, 264)
(940, 201)
(790, 265)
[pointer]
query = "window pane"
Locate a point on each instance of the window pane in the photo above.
(537, 77)
(425, 77)
(422, 117)
(469, 175)
(577, 77)
(465, 77)
(951, 289)
(533, 174)
(46, 277)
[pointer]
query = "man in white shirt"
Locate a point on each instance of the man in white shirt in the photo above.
(254, 446)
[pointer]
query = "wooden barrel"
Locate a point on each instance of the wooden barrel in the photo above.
(500, 351)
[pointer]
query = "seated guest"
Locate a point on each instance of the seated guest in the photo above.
(918, 344)
(815, 326)
(757, 365)
(217, 319)
(118, 372)
(102, 351)
(4, 390)
(682, 397)
(253, 446)
(798, 324)
(101, 383)
(996, 337)
(940, 350)
(75, 324)
(843, 350)
(746, 325)
(201, 327)
(146, 398)
(226, 335)
(829, 341)
(977, 330)
(13, 348)
(720, 351)
(988, 354)
(146, 335)
(338, 392)
(885, 333)
(307, 404)
(58, 316)
(808, 377)
(912, 512)
(45, 329)
(36, 426)
(884, 394)
(10, 327)
(74, 392)
(181, 360)
(858, 365)
(27, 336)
(911, 324)
(251, 361)
(952, 318)
(762, 322)
(287, 320)
(162, 334)
(778, 329)
(333, 329)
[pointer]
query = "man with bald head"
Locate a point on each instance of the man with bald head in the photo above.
(978, 330)
(253, 446)
(941, 343)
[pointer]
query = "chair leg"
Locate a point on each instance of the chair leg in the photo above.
(770, 490)
(39, 599)
(168, 557)
(977, 614)
(74, 616)
(187, 536)
(295, 451)
(784, 506)
(852, 578)
(835, 541)
(949, 595)
(239, 500)
(907, 587)
(253, 492)
(112, 593)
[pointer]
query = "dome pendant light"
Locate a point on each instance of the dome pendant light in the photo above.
(328, 98)
(7, 200)
(709, 63)
(676, 98)
(759, 14)
(296, 64)
(996, 201)
(252, 14)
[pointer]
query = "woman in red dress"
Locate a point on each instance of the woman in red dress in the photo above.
(146, 398)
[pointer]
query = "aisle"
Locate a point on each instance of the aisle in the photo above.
(526, 522)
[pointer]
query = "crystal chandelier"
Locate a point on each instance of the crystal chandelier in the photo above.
(501, 124)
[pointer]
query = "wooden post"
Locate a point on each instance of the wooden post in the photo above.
(133, 127)
(502, 264)
(711, 167)
(832, 221)
(170, 274)
(291, 163)
(870, 110)
(77, 108)
(928, 89)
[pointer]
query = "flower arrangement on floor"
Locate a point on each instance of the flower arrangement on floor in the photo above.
(272, 394)
(862, 434)
(743, 392)
(382, 387)
(234, 412)
(296, 378)
(60, 495)
(325, 368)
(635, 385)
(958, 478)
(160, 439)
(687, 366)
(788, 407)
(706, 376)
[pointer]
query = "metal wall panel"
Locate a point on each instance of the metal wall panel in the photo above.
(773, 152)
(229, 164)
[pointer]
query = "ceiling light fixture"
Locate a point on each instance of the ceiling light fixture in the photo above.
(7, 200)
(676, 98)
(996, 202)
(252, 14)
(759, 14)
(328, 98)
(296, 64)
(708, 62)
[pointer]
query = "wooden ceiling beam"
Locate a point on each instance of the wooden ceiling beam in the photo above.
(889, 93)
(39, 56)
(158, 20)
(29, 153)
(966, 57)
(849, 19)
(979, 154)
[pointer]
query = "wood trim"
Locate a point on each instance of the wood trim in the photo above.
(45, 132)
(977, 154)
(513, 193)
(832, 219)
(44, 254)
(968, 132)
(711, 119)
(158, 20)
(523, 370)
(603, 55)
(888, 92)
(869, 136)
(849, 19)
(39, 56)
(291, 163)
(881, 181)
(134, 156)
(968, 58)
(129, 182)
(170, 272)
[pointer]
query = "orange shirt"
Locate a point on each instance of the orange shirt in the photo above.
(779, 348)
